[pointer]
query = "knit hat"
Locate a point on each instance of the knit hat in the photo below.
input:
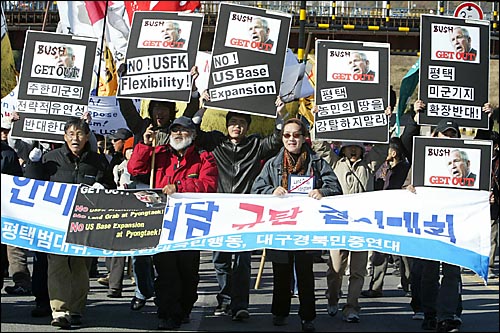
(129, 144)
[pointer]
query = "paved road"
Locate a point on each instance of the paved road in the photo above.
(390, 313)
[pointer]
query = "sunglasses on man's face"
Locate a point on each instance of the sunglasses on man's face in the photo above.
(296, 135)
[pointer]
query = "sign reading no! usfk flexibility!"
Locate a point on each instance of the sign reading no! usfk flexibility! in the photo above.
(161, 51)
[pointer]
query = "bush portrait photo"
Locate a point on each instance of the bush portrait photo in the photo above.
(452, 163)
(353, 66)
(168, 34)
(251, 32)
(455, 43)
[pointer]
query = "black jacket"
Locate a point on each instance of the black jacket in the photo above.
(60, 165)
(138, 125)
(239, 164)
(10, 161)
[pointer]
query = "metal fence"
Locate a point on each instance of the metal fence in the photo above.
(313, 8)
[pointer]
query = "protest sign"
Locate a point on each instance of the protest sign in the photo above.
(161, 51)
(452, 163)
(54, 84)
(353, 92)
(248, 57)
(116, 220)
(454, 70)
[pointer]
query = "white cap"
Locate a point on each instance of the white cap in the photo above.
(352, 143)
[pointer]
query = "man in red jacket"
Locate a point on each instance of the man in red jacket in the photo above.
(178, 167)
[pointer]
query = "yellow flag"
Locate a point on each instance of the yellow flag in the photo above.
(9, 72)
(306, 103)
(108, 79)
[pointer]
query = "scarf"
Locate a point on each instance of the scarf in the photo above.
(293, 165)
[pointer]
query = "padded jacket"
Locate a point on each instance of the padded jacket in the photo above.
(194, 172)
(324, 178)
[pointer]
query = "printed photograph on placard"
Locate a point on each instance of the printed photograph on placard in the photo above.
(164, 34)
(352, 66)
(255, 33)
(452, 167)
(455, 43)
(457, 163)
(58, 61)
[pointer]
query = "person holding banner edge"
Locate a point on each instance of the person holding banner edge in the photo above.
(75, 163)
(439, 300)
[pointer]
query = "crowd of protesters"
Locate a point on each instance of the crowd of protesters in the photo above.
(188, 159)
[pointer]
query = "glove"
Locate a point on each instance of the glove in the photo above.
(35, 155)
(98, 186)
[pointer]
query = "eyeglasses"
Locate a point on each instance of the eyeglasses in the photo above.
(296, 135)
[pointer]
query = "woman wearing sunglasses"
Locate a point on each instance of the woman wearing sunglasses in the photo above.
(296, 163)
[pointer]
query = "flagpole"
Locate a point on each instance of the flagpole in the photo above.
(302, 28)
(102, 51)
(45, 15)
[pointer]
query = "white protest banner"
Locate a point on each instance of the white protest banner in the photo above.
(450, 225)
(106, 115)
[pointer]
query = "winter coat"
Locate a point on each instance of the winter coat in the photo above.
(194, 172)
(270, 178)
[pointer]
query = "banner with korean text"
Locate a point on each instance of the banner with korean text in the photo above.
(450, 225)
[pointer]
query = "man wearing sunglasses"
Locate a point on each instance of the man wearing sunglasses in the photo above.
(239, 159)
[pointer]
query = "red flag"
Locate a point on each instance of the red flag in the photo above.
(164, 6)
(96, 10)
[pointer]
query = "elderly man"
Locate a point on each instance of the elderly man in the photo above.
(178, 167)
(259, 33)
(360, 67)
(462, 43)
